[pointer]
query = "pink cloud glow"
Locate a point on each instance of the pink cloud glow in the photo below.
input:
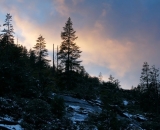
(113, 45)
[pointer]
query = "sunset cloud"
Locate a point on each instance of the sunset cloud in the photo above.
(114, 36)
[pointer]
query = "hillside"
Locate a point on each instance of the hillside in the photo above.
(35, 95)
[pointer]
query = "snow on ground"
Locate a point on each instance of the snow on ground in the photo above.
(127, 114)
(53, 94)
(140, 117)
(14, 127)
(125, 102)
(7, 118)
(78, 117)
(77, 114)
(98, 100)
(70, 101)
(78, 109)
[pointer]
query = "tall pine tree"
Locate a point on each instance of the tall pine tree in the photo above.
(145, 77)
(149, 88)
(8, 31)
(41, 53)
(68, 55)
(69, 51)
(154, 86)
(39, 56)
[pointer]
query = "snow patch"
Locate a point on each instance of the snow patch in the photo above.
(125, 102)
(14, 127)
(8, 118)
(74, 107)
(127, 114)
(78, 117)
(53, 94)
(140, 117)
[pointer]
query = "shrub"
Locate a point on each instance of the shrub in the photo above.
(58, 106)
(37, 113)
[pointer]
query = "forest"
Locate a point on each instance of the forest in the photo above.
(32, 92)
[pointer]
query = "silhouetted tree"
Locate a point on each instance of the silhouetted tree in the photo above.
(8, 31)
(154, 85)
(117, 83)
(145, 77)
(154, 77)
(149, 88)
(0, 34)
(69, 51)
(100, 77)
(111, 79)
(68, 54)
(7, 37)
(42, 63)
(41, 53)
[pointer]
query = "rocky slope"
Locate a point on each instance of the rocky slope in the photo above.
(78, 110)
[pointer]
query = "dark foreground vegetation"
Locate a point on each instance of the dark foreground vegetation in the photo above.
(30, 89)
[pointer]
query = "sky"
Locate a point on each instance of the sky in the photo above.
(115, 36)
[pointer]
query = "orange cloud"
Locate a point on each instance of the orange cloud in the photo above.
(110, 53)
(61, 7)
(99, 47)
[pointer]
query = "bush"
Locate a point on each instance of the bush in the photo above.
(151, 125)
(37, 114)
(58, 106)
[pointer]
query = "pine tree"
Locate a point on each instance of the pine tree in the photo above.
(149, 88)
(69, 51)
(41, 53)
(111, 79)
(68, 55)
(0, 34)
(154, 76)
(7, 39)
(154, 86)
(42, 63)
(117, 83)
(9, 31)
(145, 76)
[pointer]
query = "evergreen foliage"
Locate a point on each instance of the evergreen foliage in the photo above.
(32, 59)
(27, 85)
(41, 53)
(69, 51)
(145, 78)
(68, 55)
(9, 31)
(150, 87)
(58, 107)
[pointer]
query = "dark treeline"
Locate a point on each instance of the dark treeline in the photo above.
(27, 82)
(149, 89)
